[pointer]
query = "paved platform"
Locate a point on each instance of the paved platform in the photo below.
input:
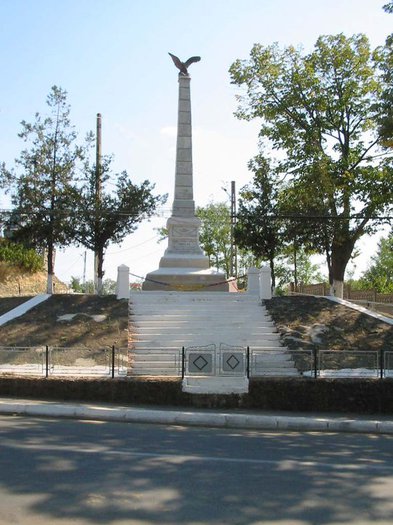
(278, 421)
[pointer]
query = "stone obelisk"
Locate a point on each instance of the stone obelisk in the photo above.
(184, 266)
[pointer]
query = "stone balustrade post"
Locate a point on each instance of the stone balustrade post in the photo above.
(265, 283)
(253, 281)
(123, 282)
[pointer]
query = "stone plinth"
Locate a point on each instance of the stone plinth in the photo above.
(184, 266)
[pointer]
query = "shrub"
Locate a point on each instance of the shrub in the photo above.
(17, 255)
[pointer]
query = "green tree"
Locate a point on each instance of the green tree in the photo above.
(115, 214)
(18, 255)
(388, 7)
(319, 114)
(259, 228)
(43, 185)
(386, 104)
(215, 234)
(379, 275)
(108, 286)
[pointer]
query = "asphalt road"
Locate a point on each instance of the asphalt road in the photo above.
(55, 471)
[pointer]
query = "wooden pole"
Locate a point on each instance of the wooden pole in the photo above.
(97, 278)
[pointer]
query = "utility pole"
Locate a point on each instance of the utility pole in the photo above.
(233, 224)
(97, 277)
(84, 272)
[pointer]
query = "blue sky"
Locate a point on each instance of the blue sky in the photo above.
(112, 57)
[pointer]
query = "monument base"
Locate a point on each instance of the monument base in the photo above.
(185, 280)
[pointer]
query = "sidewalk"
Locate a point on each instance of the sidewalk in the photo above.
(280, 421)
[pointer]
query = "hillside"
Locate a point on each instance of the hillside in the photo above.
(69, 320)
(14, 282)
(303, 322)
(307, 322)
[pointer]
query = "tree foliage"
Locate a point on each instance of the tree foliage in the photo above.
(18, 255)
(215, 234)
(320, 116)
(386, 103)
(258, 227)
(115, 214)
(388, 7)
(379, 275)
(108, 286)
(43, 184)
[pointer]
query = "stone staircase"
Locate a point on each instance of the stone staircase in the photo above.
(164, 322)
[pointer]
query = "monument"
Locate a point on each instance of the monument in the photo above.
(184, 266)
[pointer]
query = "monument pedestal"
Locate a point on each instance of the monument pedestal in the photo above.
(185, 280)
(184, 266)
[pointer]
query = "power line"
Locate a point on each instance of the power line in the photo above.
(73, 213)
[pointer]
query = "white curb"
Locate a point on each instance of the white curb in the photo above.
(199, 419)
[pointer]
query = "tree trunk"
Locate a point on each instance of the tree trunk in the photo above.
(100, 272)
(341, 254)
(295, 265)
(271, 263)
(337, 289)
(51, 269)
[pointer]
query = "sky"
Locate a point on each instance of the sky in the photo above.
(111, 56)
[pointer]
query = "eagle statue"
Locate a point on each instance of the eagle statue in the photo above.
(182, 66)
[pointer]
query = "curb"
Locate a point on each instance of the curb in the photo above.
(198, 419)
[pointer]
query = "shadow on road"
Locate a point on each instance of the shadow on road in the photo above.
(96, 472)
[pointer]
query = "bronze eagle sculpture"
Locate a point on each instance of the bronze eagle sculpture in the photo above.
(182, 66)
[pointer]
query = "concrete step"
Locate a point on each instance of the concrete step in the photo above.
(187, 331)
(164, 322)
(217, 312)
(159, 324)
(215, 385)
(182, 310)
(195, 296)
(179, 340)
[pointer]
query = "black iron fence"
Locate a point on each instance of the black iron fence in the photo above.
(275, 362)
(226, 360)
(70, 361)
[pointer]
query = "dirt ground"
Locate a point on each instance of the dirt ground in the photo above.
(92, 322)
(13, 282)
(307, 322)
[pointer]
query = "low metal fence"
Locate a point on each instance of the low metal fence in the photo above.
(76, 361)
(226, 360)
(156, 361)
(276, 362)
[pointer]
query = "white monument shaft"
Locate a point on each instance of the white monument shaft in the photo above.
(184, 265)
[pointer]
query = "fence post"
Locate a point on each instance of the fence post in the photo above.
(381, 363)
(315, 352)
(113, 361)
(183, 362)
(248, 362)
(46, 361)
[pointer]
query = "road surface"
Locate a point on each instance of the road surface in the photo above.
(55, 471)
